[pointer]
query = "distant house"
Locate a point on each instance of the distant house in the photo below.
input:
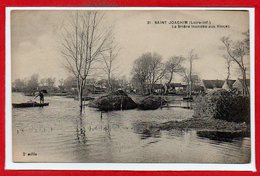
(196, 89)
(93, 88)
(157, 88)
(177, 88)
(238, 85)
(228, 85)
(128, 88)
(209, 85)
(171, 88)
(212, 84)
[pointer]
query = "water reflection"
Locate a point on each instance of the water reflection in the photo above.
(222, 136)
(145, 130)
(177, 133)
(80, 131)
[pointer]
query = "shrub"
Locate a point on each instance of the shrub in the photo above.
(113, 101)
(222, 104)
(151, 102)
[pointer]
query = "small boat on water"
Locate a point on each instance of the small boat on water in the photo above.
(29, 105)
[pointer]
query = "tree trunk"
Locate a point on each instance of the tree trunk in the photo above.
(151, 89)
(109, 84)
(80, 100)
(245, 88)
(143, 89)
(228, 73)
(80, 95)
(190, 82)
(170, 80)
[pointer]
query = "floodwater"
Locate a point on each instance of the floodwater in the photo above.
(57, 133)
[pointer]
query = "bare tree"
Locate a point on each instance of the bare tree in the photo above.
(19, 85)
(61, 82)
(237, 50)
(191, 57)
(173, 65)
(109, 61)
(43, 82)
(228, 65)
(33, 83)
(148, 69)
(156, 70)
(194, 79)
(48, 82)
(124, 83)
(83, 41)
(247, 41)
(140, 72)
(70, 83)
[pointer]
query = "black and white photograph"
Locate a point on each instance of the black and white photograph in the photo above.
(131, 86)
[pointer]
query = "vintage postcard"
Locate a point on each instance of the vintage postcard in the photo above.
(107, 85)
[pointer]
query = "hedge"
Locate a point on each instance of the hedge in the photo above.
(222, 104)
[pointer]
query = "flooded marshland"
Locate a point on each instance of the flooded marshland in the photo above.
(57, 133)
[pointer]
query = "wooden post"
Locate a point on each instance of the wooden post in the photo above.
(161, 94)
(121, 102)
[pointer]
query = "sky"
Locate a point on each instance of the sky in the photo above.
(36, 40)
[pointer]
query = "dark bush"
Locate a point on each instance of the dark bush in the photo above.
(151, 102)
(221, 104)
(114, 101)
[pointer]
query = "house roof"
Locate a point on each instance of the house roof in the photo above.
(231, 82)
(247, 81)
(210, 84)
(228, 84)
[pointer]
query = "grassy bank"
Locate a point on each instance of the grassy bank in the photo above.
(205, 124)
(208, 127)
(169, 98)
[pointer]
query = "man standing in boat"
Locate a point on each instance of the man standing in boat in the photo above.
(41, 95)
